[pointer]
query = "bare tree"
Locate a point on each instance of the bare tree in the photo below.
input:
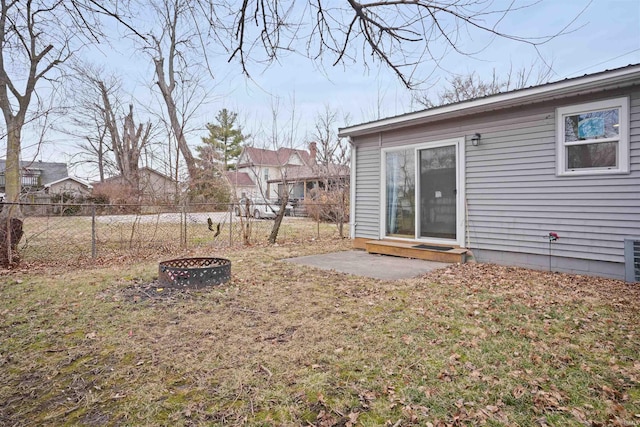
(128, 147)
(36, 38)
(88, 118)
(178, 69)
(399, 34)
(333, 158)
(94, 149)
(471, 86)
(330, 148)
(274, 160)
(283, 135)
(109, 131)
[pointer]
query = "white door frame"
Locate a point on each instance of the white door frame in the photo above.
(459, 143)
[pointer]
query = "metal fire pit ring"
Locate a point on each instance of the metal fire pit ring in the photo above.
(194, 273)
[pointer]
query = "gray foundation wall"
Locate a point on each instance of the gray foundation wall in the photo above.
(613, 270)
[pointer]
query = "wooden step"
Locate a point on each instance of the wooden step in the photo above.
(408, 250)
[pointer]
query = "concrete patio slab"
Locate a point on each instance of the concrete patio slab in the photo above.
(361, 263)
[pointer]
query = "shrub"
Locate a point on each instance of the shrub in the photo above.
(122, 196)
(115, 193)
(68, 203)
(328, 205)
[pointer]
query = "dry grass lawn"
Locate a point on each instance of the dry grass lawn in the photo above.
(283, 344)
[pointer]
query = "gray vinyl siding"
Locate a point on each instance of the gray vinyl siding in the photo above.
(514, 198)
(367, 208)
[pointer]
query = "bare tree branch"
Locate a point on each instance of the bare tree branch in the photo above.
(177, 69)
(37, 37)
(401, 34)
(471, 86)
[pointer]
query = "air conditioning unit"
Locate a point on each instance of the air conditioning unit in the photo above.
(632, 259)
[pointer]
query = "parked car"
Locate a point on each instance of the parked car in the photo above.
(258, 208)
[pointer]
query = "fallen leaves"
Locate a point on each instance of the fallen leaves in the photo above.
(366, 397)
(518, 392)
(407, 339)
(469, 345)
(548, 400)
(522, 285)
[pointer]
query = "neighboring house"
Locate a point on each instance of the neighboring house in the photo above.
(42, 180)
(35, 175)
(302, 180)
(241, 183)
(500, 174)
(155, 187)
(264, 165)
(69, 185)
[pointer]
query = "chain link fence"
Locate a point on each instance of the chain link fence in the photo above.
(73, 231)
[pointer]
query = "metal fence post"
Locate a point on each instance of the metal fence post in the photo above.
(183, 219)
(93, 231)
(181, 227)
(230, 225)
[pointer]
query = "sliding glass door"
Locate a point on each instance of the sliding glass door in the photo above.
(438, 195)
(400, 189)
(422, 200)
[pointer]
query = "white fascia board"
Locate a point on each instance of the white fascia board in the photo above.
(72, 178)
(595, 82)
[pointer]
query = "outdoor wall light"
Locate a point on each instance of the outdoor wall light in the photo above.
(475, 139)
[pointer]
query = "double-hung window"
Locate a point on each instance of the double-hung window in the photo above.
(593, 138)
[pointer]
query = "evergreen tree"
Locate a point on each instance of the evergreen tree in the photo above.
(225, 138)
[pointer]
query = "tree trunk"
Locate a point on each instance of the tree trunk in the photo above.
(278, 219)
(182, 141)
(172, 110)
(10, 235)
(11, 214)
(341, 215)
(133, 140)
(101, 161)
(245, 220)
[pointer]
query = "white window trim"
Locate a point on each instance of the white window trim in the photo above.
(622, 140)
(459, 143)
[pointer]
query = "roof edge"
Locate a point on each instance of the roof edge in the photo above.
(73, 178)
(501, 100)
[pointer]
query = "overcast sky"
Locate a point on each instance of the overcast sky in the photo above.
(605, 36)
